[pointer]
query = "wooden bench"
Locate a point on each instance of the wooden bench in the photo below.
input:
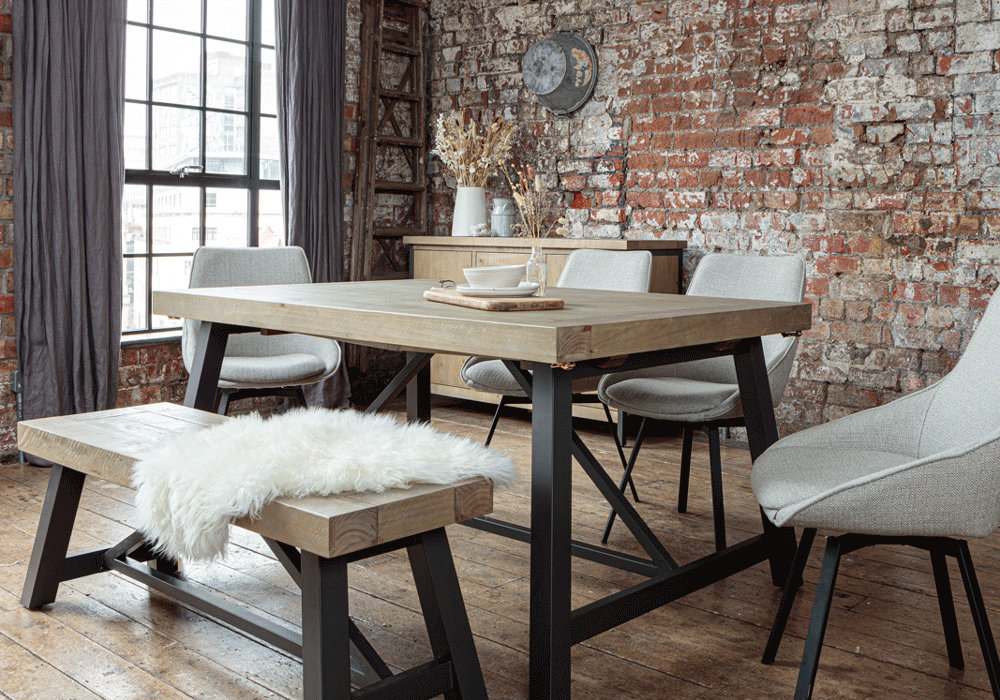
(314, 538)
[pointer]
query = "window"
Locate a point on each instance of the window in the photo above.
(201, 141)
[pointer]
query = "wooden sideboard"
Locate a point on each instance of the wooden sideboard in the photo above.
(443, 257)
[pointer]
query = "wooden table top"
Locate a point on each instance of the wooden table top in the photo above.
(592, 325)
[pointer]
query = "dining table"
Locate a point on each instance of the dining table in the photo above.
(594, 334)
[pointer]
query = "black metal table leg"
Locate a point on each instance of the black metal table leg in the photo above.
(52, 539)
(444, 613)
(551, 530)
(762, 432)
(326, 647)
(210, 348)
(418, 393)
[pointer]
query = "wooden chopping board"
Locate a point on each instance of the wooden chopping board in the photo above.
(450, 296)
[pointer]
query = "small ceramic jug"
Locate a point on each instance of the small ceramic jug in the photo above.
(504, 217)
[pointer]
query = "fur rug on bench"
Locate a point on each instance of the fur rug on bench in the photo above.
(191, 487)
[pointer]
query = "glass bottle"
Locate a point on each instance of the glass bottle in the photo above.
(536, 268)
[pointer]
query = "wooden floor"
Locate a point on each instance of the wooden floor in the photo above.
(106, 636)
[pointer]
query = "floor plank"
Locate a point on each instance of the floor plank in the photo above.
(107, 636)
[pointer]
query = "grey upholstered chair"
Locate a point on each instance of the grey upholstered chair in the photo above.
(923, 471)
(255, 364)
(704, 395)
(610, 270)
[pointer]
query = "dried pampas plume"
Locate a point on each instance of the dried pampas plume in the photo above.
(469, 153)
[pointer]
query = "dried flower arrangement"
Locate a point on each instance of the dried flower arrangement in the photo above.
(470, 154)
(526, 187)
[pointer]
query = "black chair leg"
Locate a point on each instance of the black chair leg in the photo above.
(939, 563)
(788, 595)
(817, 623)
(223, 407)
(682, 486)
(718, 506)
(300, 396)
(979, 616)
(496, 419)
(626, 478)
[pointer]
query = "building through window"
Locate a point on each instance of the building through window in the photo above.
(201, 141)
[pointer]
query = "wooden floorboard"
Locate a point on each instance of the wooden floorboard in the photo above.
(107, 636)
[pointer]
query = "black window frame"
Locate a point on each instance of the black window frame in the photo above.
(252, 181)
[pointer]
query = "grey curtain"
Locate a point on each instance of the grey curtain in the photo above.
(311, 79)
(68, 177)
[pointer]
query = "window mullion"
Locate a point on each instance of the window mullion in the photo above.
(253, 123)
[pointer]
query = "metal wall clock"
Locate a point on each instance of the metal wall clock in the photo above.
(561, 71)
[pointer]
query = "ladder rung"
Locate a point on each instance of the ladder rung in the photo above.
(401, 49)
(396, 231)
(390, 276)
(400, 141)
(387, 186)
(397, 95)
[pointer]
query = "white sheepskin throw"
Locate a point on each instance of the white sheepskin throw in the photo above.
(191, 487)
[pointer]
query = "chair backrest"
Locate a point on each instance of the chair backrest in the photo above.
(769, 278)
(610, 270)
(965, 407)
(242, 267)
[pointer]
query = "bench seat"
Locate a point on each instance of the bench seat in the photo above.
(107, 444)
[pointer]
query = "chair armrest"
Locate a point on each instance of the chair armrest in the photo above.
(892, 427)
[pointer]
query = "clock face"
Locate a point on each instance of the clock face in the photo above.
(544, 67)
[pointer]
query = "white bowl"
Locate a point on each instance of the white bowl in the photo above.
(496, 277)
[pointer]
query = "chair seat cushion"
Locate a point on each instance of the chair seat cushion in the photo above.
(271, 371)
(672, 398)
(786, 479)
(494, 377)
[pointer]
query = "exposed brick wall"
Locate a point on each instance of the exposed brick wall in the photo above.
(861, 135)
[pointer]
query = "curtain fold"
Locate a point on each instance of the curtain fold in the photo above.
(68, 178)
(311, 79)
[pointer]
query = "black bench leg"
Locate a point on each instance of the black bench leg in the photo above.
(52, 539)
(444, 613)
(326, 645)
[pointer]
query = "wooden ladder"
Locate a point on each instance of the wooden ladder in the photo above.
(391, 187)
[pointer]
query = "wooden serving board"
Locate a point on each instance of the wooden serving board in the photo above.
(450, 296)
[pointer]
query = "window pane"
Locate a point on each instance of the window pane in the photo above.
(135, 62)
(176, 68)
(178, 14)
(271, 226)
(176, 138)
(269, 169)
(170, 273)
(225, 143)
(135, 136)
(137, 11)
(267, 22)
(225, 75)
(268, 83)
(134, 294)
(176, 219)
(226, 216)
(134, 219)
(227, 18)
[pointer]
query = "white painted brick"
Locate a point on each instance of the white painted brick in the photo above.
(977, 36)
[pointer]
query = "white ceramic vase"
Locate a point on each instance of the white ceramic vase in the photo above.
(470, 210)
